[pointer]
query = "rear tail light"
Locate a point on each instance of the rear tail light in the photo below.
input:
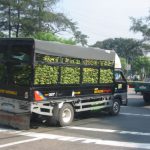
(107, 91)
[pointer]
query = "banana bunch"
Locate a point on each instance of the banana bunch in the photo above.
(48, 74)
(106, 76)
(50, 59)
(90, 75)
(45, 74)
(70, 75)
(106, 63)
(90, 62)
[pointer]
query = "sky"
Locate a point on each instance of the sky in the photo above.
(103, 19)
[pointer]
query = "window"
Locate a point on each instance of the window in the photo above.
(20, 64)
(15, 64)
(119, 76)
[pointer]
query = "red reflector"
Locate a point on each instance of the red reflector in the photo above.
(38, 96)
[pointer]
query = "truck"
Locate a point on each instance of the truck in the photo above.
(144, 89)
(55, 81)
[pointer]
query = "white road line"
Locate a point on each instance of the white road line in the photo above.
(87, 140)
(20, 142)
(131, 114)
(107, 130)
(39, 136)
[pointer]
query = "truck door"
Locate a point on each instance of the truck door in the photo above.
(120, 87)
(16, 57)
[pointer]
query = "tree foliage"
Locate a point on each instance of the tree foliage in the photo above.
(126, 48)
(142, 25)
(23, 18)
(51, 37)
(123, 64)
(2, 34)
(141, 66)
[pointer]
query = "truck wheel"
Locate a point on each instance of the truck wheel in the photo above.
(115, 109)
(66, 115)
(53, 120)
(34, 117)
(146, 97)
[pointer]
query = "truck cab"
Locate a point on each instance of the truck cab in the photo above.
(120, 87)
(120, 83)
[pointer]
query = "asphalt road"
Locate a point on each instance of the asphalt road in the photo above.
(97, 131)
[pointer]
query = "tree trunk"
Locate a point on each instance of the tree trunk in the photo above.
(18, 19)
(9, 20)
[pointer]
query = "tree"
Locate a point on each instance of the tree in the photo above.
(51, 37)
(126, 48)
(141, 66)
(5, 16)
(2, 34)
(142, 25)
(11, 12)
(23, 18)
(80, 38)
(123, 64)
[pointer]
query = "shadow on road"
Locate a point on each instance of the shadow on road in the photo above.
(136, 100)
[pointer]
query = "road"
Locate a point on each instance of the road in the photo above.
(129, 130)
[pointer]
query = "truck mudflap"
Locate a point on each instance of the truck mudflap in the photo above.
(15, 113)
(19, 121)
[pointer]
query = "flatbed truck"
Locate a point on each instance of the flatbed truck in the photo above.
(54, 80)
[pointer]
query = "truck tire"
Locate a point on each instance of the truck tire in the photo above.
(66, 115)
(115, 109)
(53, 120)
(34, 117)
(146, 97)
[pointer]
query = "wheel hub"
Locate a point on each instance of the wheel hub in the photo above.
(66, 115)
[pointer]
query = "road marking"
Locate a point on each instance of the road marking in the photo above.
(87, 140)
(130, 114)
(107, 130)
(11, 131)
(20, 142)
(39, 136)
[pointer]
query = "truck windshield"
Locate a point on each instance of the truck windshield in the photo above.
(15, 64)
